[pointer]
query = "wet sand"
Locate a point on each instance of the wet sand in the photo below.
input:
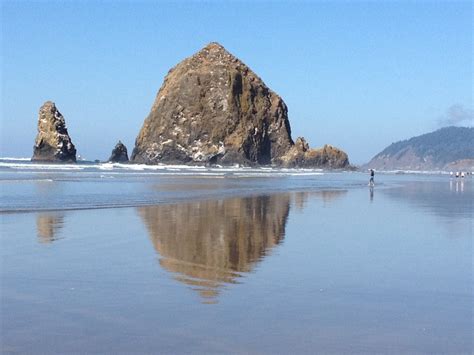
(387, 270)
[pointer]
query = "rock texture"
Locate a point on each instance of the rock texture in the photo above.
(119, 153)
(211, 109)
(52, 143)
(445, 149)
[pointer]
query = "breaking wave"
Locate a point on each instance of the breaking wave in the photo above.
(15, 159)
(17, 164)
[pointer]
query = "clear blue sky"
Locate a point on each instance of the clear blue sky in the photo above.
(358, 75)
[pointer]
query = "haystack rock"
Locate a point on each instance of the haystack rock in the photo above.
(119, 153)
(52, 143)
(211, 109)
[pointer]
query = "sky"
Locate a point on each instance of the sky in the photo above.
(356, 75)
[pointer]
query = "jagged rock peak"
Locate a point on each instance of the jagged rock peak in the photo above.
(214, 46)
(213, 49)
(119, 153)
(214, 52)
(52, 143)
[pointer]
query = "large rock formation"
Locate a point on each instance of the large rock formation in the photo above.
(448, 148)
(52, 143)
(119, 153)
(213, 109)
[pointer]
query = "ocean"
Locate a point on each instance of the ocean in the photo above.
(118, 258)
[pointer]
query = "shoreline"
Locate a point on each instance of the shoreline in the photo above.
(24, 192)
(177, 201)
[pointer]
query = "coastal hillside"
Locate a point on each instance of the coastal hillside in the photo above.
(445, 149)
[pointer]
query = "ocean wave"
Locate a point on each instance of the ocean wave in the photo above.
(15, 159)
(144, 167)
(36, 166)
(160, 169)
(415, 172)
(25, 180)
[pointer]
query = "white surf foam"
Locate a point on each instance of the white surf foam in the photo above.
(161, 169)
(15, 159)
(25, 180)
(42, 166)
(415, 172)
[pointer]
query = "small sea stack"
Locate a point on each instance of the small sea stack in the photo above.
(53, 143)
(302, 156)
(119, 154)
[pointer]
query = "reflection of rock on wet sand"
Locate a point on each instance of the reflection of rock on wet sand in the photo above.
(209, 243)
(48, 226)
(327, 196)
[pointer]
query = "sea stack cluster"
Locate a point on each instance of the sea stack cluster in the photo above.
(211, 109)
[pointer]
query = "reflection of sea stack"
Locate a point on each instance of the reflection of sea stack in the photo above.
(212, 108)
(47, 226)
(119, 153)
(53, 143)
(327, 196)
(209, 243)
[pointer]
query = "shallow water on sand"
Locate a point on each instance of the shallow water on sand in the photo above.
(287, 265)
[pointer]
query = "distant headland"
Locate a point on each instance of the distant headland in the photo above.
(449, 148)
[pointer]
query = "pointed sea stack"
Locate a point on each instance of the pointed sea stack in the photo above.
(119, 153)
(213, 109)
(52, 143)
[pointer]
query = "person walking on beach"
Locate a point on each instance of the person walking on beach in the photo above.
(372, 174)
